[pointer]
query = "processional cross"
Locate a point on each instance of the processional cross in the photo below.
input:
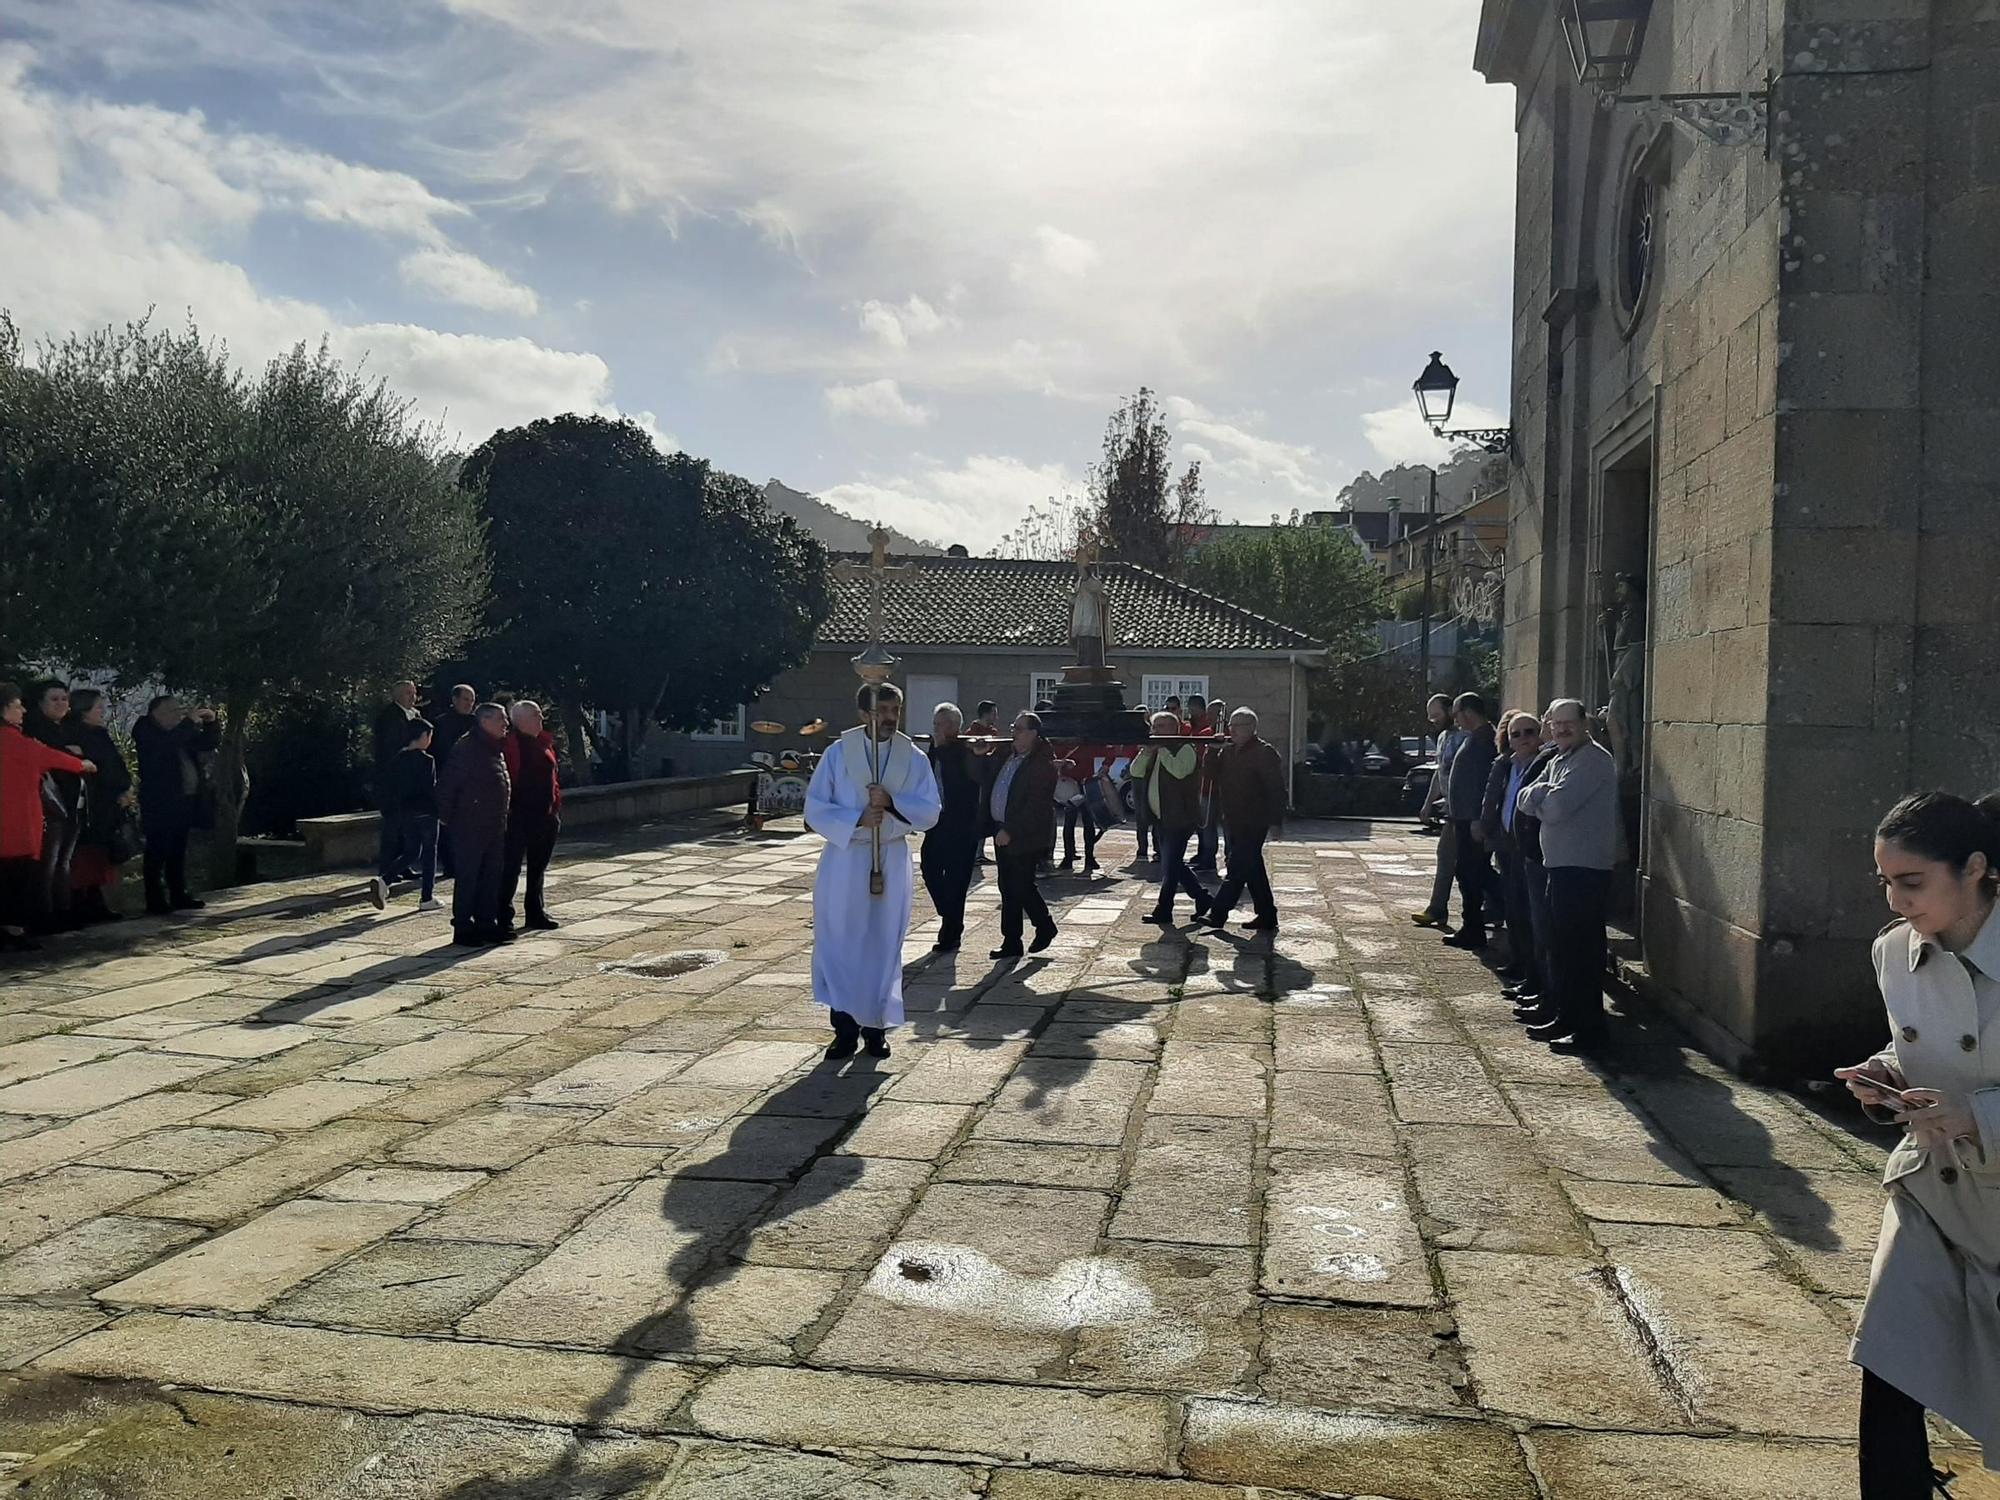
(873, 665)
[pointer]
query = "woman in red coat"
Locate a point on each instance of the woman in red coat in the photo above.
(23, 764)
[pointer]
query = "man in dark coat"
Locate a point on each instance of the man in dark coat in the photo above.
(392, 732)
(1465, 796)
(453, 723)
(534, 816)
(1250, 793)
(951, 845)
(1020, 812)
(473, 794)
(167, 743)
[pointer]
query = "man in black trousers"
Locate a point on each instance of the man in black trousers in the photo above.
(951, 845)
(473, 796)
(1465, 798)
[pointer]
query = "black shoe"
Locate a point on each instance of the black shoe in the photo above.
(1471, 940)
(1007, 950)
(875, 1040)
(1261, 924)
(1210, 917)
(842, 1046)
(1159, 918)
(1043, 937)
(1535, 1015)
(497, 937)
(941, 946)
(186, 902)
(158, 908)
(469, 937)
(1509, 975)
(541, 921)
(1586, 1040)
(1549, 1031)
(1091, 867)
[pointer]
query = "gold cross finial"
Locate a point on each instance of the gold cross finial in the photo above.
(876, 572)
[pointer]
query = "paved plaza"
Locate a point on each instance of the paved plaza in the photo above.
(296, 1201)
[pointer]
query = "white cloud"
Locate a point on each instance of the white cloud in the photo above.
(896, 325)
(878, 401)
(1065, 254)
(457, 276)
(1237, 461)
(1399, 435)
(129, 209)
(976, 501)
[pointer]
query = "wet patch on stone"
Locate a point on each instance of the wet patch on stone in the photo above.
(664, 965)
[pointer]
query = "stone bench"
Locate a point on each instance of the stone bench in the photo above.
(342, 840)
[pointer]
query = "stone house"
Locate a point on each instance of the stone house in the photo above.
(1764, 375)
(972, 628)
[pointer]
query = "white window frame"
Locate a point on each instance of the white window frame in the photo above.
(1158, 689)
(1042, 687)
(723, 731)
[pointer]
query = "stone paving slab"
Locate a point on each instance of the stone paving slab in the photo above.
(1193, 1217)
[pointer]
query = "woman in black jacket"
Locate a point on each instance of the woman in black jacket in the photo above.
(50, 721)
(108, 799)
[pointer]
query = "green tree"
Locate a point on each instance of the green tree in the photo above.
(641, 583)
(1316, 579)
(1137, 511)
(296, 535)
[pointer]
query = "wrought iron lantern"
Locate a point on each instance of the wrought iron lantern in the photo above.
(1437, 390)
(1605, 38)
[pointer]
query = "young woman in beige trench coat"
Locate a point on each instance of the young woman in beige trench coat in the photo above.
(1930, 1334)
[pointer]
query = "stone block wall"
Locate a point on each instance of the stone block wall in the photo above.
(1821, 363)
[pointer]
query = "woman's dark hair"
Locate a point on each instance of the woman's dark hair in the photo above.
(83, 700)
(10, 694)
(42, 689)
(153, 704)
(1947, 828)
(418, 729)
(869, 695)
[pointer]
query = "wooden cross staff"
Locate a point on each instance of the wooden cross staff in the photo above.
(874, 665)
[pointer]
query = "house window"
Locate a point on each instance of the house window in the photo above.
(1042, 687)
(730, 728)
(1160, 689)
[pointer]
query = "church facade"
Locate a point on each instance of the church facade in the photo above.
(1756, 367)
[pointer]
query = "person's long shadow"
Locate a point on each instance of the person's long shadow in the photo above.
(780, 1160)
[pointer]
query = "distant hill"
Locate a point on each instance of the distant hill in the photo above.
(836, 531)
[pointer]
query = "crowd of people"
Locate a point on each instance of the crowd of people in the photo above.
(72, 811)
(1527, 812)
(476, 797)
(874, 787)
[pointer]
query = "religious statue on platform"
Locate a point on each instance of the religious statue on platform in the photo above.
(1625, 650)
(1089, 615)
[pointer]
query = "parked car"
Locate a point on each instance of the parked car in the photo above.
(1417, 786)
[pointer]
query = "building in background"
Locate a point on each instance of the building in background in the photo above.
(968, 629)
(1757, 369)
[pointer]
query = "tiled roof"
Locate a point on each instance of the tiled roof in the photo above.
(989, 601)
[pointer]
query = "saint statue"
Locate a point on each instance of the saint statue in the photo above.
(1089, 616)
(1625, 630)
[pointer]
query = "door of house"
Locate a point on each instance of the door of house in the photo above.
(925, 694)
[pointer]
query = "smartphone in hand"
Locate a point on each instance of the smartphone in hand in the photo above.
(1887, 1090)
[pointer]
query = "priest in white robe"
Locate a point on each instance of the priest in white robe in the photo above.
(857, 965)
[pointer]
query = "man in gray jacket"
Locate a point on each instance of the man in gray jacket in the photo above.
(1576, 799)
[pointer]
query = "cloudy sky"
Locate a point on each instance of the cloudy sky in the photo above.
(905, 254)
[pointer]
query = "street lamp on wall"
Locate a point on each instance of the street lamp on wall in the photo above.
(1437, 390)
(1605, 38)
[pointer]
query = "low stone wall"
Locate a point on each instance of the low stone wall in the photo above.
(348, 839)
